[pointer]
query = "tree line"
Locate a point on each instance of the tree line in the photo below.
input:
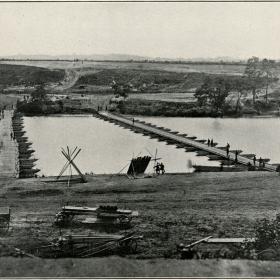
(258, 74)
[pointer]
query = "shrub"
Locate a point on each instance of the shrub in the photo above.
(266, 244)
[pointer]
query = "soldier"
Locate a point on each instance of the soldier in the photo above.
(162, 168)
(227, 149)
(260, 162)
(254, 160)
(236, 154)
(157, 168)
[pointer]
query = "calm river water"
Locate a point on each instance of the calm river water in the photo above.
(107, 148)
(252, 135)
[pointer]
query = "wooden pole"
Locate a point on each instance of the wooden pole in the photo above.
(75, 167)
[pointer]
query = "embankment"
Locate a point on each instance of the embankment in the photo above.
(120, 267)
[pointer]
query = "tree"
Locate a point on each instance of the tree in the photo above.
(253, 72)
(214, 92)
(39, 94)
(121, 89)
(268, 68)
(241, 85)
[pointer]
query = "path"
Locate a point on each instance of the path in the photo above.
(183, 140)
(8, 147)
(70, 79)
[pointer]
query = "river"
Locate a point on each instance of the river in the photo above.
(252, 135)
(107, 148)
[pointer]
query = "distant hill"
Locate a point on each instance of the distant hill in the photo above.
(116, 57)
(121, 57)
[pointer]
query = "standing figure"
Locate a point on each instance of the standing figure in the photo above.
(236, 154)
(254, 160)
(227, 149)
(157, 168)
(212, 142)
(208, 142)
(260, 162)
(162, 168)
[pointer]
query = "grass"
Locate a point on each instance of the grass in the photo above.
(28, 75)
(183, 97)
(145, 80)
(173, 208)
(180, 68)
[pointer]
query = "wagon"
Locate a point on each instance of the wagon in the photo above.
(221, 247)
(83, 246)
(102, 215)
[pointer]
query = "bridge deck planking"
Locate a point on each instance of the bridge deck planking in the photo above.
(183, 140)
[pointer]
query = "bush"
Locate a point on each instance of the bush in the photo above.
(266, 244)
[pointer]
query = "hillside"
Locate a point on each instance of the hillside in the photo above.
(145, 80)
(11, 75)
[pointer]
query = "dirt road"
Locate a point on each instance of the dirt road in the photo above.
(70, 78)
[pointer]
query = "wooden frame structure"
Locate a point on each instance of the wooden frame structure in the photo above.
(70, 156)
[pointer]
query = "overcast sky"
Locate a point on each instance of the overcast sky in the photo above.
(151, 29)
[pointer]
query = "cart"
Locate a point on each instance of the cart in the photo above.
(106, 215)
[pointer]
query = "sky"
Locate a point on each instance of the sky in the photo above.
(170, 30)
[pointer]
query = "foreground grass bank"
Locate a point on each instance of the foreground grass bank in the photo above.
(120, 267)
(173, 208)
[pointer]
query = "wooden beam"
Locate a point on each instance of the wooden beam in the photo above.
(76, 168)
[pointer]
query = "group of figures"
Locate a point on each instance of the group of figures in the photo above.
(210, 143)
(260, 161)
(159, 168)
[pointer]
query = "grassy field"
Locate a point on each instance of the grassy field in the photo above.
(165, 96)
(27, 75)
(173, 208)
(144, 80)
(172, 67)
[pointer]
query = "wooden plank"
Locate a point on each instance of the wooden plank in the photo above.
(221, 151)
(229, 240)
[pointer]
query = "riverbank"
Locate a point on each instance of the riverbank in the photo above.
(145, 107)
